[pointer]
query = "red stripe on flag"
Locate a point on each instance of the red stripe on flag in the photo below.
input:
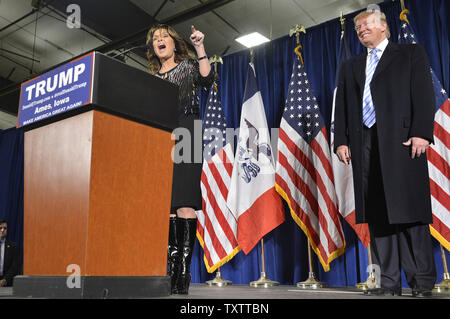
(211, 231)
(441, 134)
(446, 107)
(206, 252)
(309, 166)
(438, 161)
(300, 184)
(219, 216)
(226, 161)
(439, 194)
(316, 147)
(303, 187)
(255, 222)
(219, 181)
(301, 214)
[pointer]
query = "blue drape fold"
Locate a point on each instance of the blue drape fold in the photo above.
(11, 184)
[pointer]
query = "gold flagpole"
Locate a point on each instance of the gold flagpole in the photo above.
(296, 30)
(342, 20)
(215, 59)
(371, 280)
(311, 282)
(402, 2)
(218, 281)
(444, 285)
(263, 281)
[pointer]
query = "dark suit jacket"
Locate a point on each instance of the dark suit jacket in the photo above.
(403, 96)
(11, 262)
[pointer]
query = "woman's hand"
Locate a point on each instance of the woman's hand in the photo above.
(196, 37)
(197, 40)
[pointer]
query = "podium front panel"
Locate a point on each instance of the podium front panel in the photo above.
(57, 164)
(97, 190)
(131, 178)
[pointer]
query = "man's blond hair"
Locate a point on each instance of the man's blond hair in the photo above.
(380, 18)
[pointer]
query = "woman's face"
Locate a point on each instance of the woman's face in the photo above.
(163, 44)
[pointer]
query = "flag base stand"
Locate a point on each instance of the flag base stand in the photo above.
(444, 285)
(263, 282)
(219, 281)
(370, 283)
(311, 283)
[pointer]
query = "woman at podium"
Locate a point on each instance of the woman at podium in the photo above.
(170, 59)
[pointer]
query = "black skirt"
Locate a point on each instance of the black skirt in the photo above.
(187, 170)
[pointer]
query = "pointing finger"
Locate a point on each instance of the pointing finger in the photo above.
(193, 29)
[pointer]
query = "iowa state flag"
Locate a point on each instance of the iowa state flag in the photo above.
(252, 197)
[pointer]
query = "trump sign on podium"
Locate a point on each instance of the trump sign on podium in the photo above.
(62, 89)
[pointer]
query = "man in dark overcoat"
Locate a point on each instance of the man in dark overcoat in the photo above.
(9, 257)
(384, 123)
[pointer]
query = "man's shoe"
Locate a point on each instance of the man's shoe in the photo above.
(383, 292)
(421, 292)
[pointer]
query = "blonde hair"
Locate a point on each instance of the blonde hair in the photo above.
(182, 51)
(380, 17)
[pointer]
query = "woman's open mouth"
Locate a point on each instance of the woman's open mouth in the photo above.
(161, 47)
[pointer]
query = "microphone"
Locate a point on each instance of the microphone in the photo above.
(143, 46)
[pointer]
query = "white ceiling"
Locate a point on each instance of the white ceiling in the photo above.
(44, 36)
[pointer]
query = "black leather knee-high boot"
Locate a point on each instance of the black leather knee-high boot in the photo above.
(189, 230)
(173, 255)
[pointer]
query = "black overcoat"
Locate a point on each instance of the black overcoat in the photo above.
(403, 97)
(11, 262)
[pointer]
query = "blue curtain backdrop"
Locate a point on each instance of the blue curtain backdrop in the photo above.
(286, 257)
(11, 184)
(285, 247)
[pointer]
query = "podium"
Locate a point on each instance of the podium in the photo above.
(97, 181)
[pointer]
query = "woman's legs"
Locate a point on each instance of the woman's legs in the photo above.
(186, 231)
(186, 212)
(173, 254)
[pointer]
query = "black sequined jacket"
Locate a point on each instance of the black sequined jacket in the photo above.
(188, 78)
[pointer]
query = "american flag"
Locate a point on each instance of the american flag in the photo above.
(304, 174)
(438, 154)
(343, 174)
(217, 227)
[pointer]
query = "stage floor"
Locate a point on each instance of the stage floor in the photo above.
(203, 291)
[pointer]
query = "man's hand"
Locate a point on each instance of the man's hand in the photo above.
(3, 283)
(343, 154)
(418, 146)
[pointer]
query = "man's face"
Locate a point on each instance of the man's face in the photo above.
(370, 31)
(3, 230)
